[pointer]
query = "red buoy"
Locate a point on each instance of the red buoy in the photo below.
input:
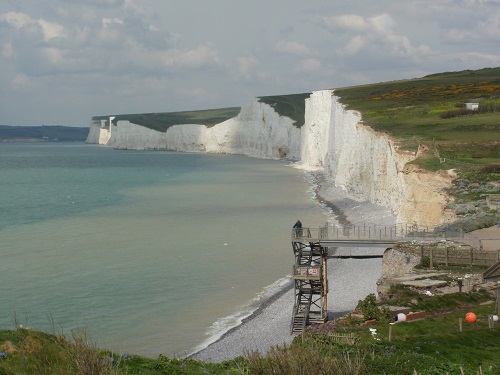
(470, 317)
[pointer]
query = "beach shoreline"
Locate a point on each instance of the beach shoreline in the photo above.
(269, 324)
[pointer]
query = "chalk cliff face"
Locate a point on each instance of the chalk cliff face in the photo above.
(368, 164)
(258, 131)
(365, 163)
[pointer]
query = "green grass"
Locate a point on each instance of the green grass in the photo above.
(410, 111)
(292, 106)
(161, 121)
(432, 345)
(25, 351)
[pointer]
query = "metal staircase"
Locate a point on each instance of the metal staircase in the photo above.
(310, 282)
(311, 248)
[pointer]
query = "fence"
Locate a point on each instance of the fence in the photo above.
(368, 232)
(347, 338)
(460, 257)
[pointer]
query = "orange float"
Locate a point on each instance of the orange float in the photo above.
(470, 317)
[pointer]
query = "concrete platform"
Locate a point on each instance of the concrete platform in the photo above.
(427, 283)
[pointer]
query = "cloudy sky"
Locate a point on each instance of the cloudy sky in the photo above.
(64, 61)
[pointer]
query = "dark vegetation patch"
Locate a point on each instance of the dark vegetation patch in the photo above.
(161, 121)
(292, 106)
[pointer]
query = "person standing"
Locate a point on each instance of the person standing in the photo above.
(297, 229)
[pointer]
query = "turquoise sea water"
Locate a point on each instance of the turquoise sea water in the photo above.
(156, 252)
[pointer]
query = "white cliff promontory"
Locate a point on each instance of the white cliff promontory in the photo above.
(368, 164)
(258, 131)
(365, 163)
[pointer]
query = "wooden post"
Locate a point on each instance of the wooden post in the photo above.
(447, 255)
(498, 299)
(390, 332)
(431, 265)
(471, 256)
(325, 288)
(460, 325)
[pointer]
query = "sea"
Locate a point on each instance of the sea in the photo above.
(149, 252)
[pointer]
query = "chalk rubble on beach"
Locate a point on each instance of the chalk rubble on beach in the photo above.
(349, 281)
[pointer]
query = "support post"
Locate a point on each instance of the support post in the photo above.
(325, 288)
(498, 299)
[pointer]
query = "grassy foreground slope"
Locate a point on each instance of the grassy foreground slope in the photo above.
(434, 345)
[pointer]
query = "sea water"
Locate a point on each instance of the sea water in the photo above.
(152, 252)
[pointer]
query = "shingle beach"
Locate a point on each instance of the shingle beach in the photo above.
(349, 281)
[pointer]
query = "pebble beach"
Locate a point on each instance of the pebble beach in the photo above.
(349, 281)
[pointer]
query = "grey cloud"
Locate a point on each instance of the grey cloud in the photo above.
(151, 55)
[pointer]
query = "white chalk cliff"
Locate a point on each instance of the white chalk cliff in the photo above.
(367, 164)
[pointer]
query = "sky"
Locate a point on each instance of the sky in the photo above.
(64, 61)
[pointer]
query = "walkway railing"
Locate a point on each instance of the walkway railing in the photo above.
(371, 232)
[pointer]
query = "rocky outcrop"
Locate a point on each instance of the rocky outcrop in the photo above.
(368, 165)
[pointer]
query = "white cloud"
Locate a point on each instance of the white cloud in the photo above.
(347, 22)
(20, 81)
(51, 30)
(490, 27)
(47, 29)
(376, 33)
(293, 48)
(355, 44)
(204, 55)
(246, 66)
(109, 22)
(309, 65)
(16, 19)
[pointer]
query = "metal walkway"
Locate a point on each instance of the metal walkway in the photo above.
(313, 246)
(369, 235)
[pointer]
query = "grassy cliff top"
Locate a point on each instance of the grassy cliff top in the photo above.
(432, 107)
(432, 110)
(292, 106)
(161, 121)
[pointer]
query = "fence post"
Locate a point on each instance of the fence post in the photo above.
(498, 299)
(431, 257)
(447, 255)
(471, 256)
